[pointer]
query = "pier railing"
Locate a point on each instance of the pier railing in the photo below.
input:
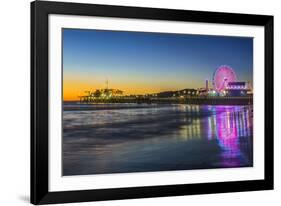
(213, 100)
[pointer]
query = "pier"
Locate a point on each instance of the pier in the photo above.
(207, 100)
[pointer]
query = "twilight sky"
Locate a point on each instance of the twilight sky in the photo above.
(140, 62)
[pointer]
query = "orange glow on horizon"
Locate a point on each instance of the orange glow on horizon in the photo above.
(75, 85)
(72, 90)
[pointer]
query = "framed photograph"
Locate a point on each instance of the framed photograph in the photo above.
(131, 102)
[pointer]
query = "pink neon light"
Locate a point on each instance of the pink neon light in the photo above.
(222, 76)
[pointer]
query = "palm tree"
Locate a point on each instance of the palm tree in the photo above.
(97, 93)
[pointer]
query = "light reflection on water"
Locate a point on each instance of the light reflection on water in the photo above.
(156, 138)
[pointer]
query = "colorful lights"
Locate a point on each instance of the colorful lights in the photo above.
(228, 126)
(222, 76)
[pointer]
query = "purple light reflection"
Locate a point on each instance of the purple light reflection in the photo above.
(227, 136)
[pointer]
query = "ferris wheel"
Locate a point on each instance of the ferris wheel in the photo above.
(222, 76)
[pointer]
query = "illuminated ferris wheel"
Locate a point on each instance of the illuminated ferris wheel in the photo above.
(222, 76)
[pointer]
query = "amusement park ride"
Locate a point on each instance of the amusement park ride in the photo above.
(224, 84)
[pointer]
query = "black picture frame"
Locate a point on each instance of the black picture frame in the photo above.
(40, 108)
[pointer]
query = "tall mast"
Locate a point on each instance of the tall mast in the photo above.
(106, 84)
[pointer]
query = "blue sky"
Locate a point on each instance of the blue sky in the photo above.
(161, 60)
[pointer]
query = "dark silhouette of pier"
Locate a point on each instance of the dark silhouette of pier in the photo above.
(200, 100)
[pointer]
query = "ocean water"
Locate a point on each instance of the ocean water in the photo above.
(122, 138)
